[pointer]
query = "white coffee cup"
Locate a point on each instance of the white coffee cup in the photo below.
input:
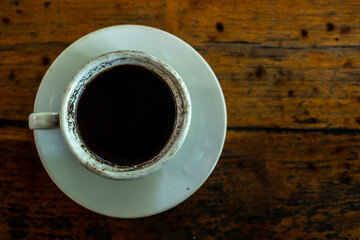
(66, 118)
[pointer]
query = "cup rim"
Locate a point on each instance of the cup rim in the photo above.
(86, 74)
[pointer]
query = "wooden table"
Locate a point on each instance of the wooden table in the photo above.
(289, 70)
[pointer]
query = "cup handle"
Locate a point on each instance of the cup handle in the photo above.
(44, 120)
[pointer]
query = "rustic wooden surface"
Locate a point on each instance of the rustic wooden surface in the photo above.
(289, 70)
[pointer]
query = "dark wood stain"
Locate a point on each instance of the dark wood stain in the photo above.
(158, 16)
(345, 29)
(348, 64)
(45, 60)
(6, 20)
(345, 180)
(240, 164)
(304, 33)
(260, 71)
(339, 150)
(330, 27)
(219, 27)
(316, 90)
(311, 167)
(12, 75)
(46, 4)
(15, 2)
(34, 34)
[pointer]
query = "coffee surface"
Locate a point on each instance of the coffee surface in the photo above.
(126, 115)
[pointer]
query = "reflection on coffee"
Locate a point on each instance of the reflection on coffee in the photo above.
(126, 115)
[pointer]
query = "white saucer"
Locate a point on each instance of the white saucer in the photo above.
(189, 168)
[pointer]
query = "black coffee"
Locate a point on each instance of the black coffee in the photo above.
(126, 115)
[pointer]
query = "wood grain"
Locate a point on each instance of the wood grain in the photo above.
(290, 75)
